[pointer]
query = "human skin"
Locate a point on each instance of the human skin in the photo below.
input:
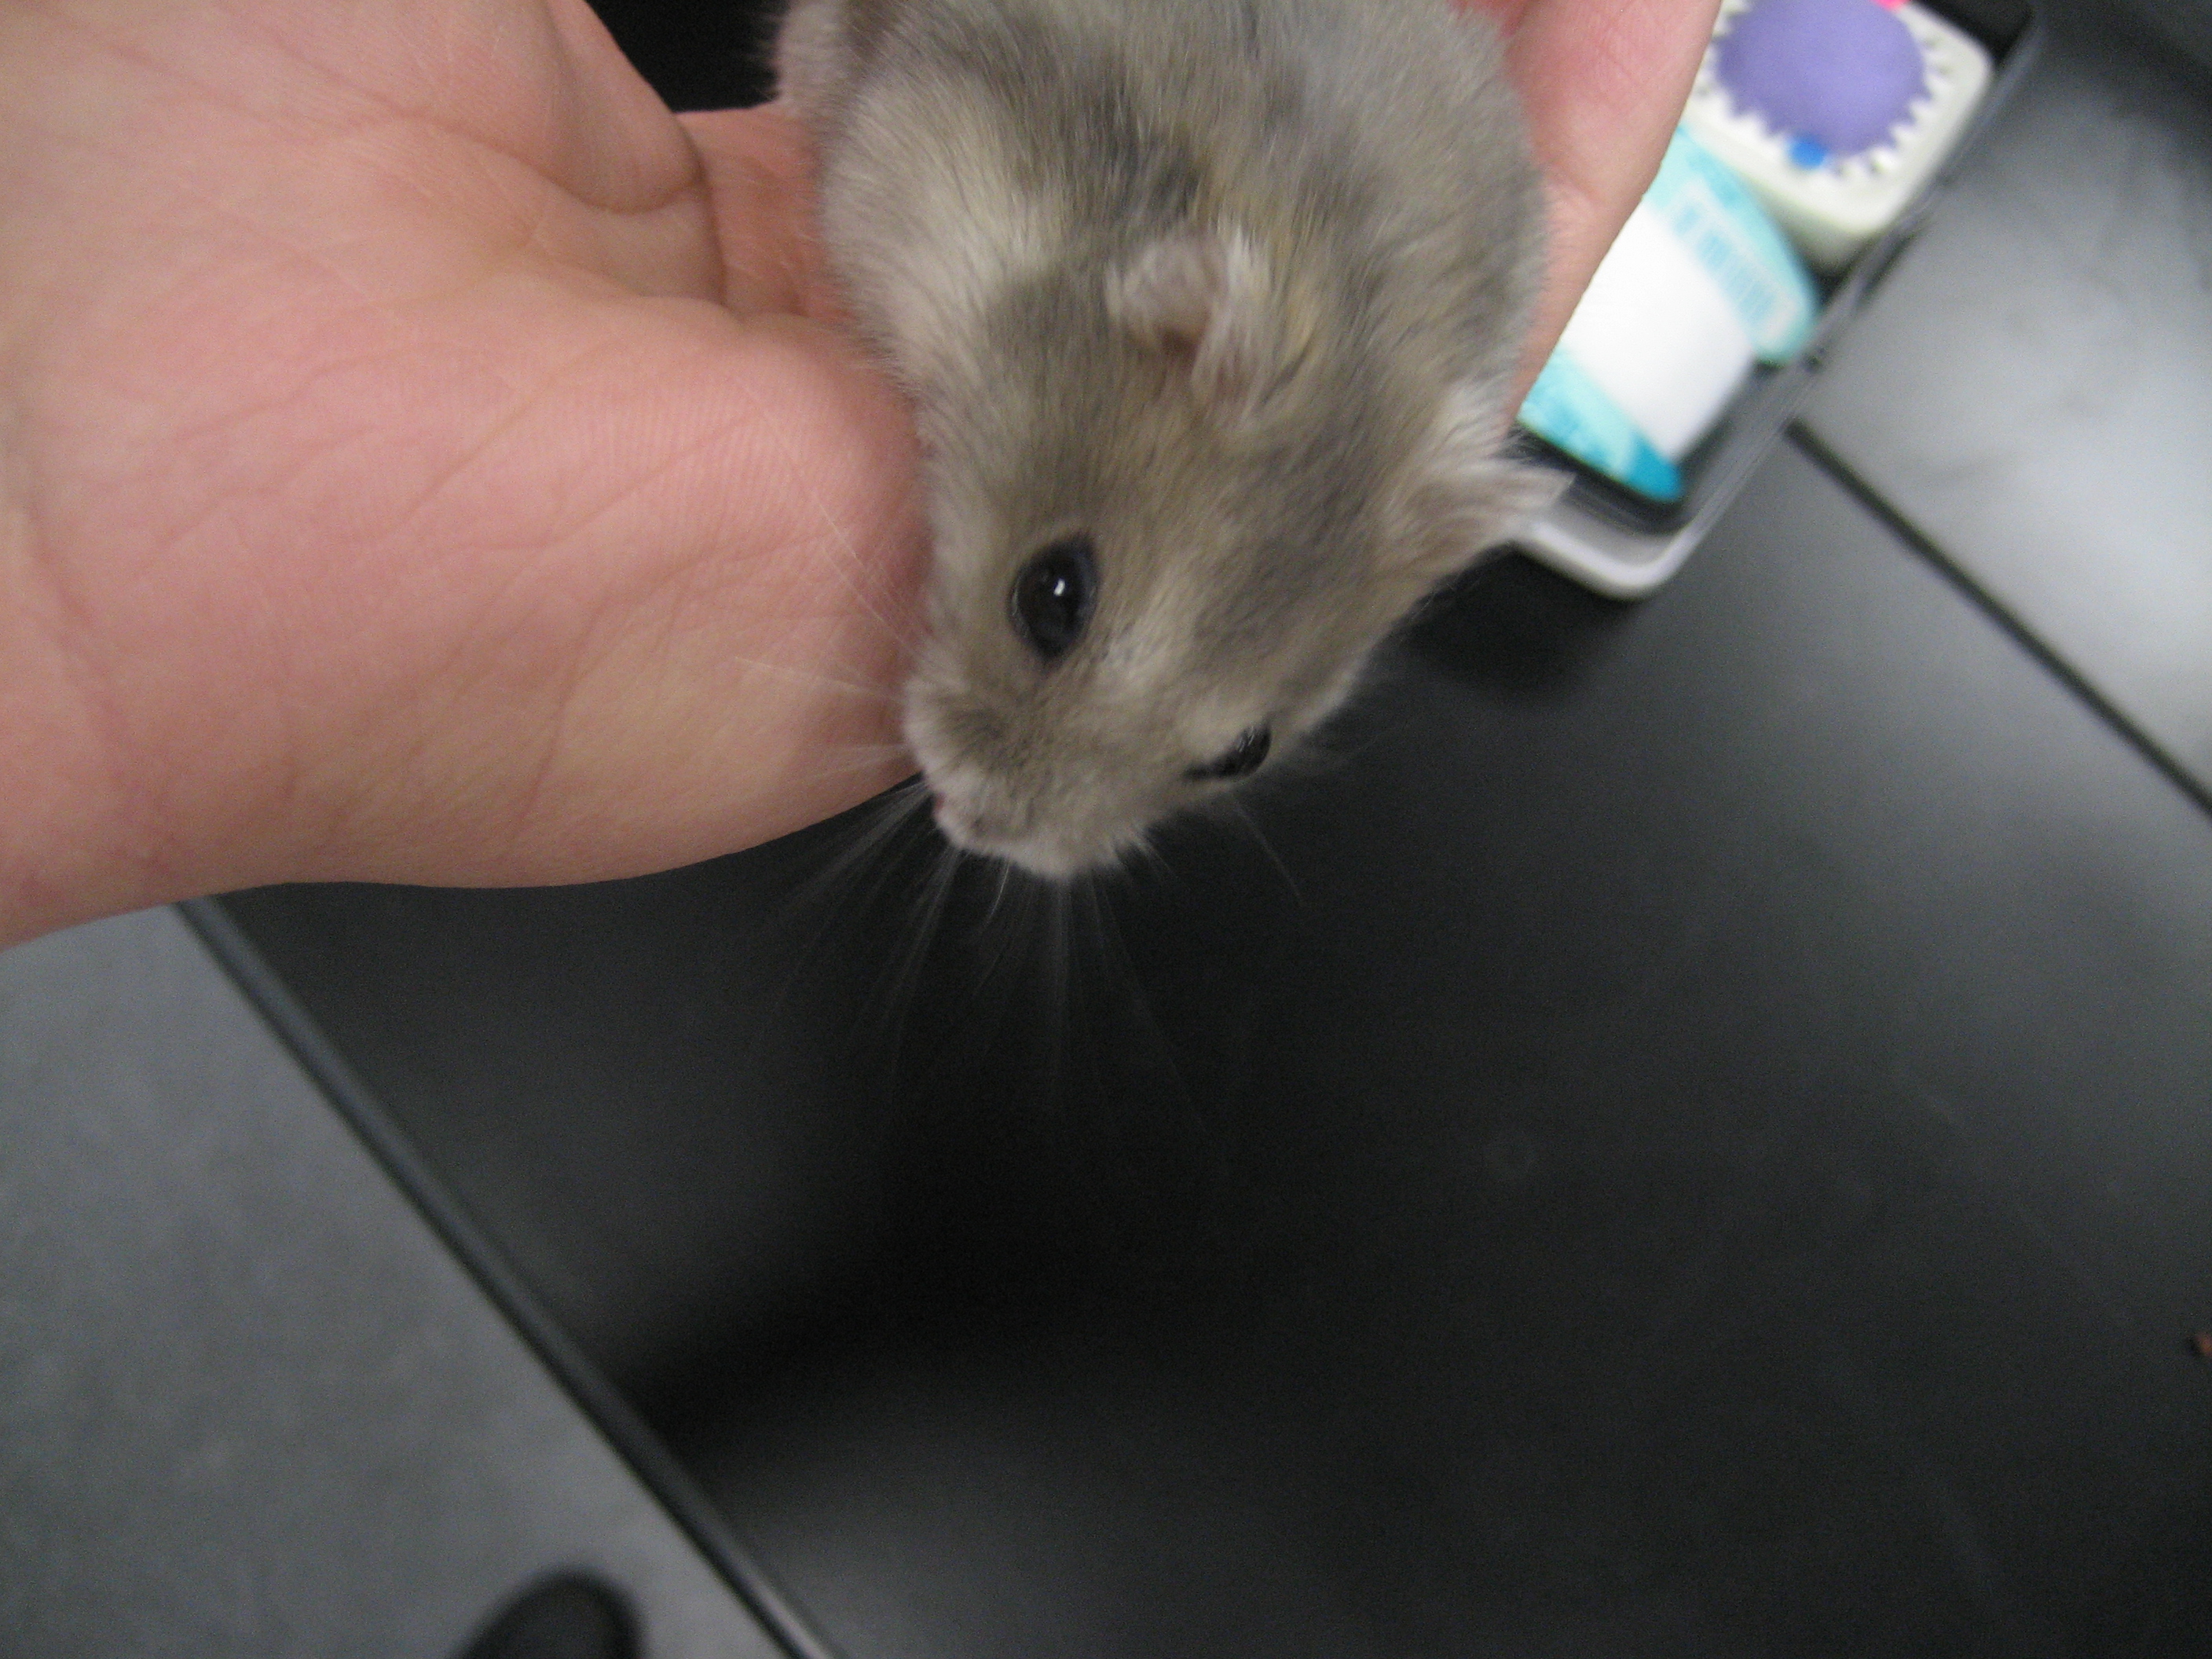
(423, 457)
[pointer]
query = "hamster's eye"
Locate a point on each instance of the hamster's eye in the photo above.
(1054, 596)
(1244, 759)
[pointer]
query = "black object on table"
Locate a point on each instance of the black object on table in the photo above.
(568, 1616)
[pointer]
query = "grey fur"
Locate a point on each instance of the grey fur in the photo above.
(1236, 287)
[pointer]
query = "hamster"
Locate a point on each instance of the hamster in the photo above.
(1211, 312)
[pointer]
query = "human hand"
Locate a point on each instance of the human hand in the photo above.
(1603, 84)
(424, 458)
(418, 460)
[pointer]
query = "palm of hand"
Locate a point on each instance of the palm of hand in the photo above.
(436, 461)
(391, 435)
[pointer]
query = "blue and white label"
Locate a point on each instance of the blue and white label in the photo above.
(1722, 224)
(1568, 409)
(1699, 285)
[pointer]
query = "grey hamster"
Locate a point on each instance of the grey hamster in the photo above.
(1210, 311)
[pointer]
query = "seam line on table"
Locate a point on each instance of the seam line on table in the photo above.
(1839, 471)
(633, 1441)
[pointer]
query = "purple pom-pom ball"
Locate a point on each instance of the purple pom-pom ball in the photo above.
(1842, 73)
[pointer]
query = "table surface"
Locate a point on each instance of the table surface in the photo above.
(2028, 390)
(249, 1405)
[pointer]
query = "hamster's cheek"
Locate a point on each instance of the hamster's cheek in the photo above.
(930, 739)
(971, 582)
(972, 804)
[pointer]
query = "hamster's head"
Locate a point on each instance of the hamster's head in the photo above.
(1172, 518)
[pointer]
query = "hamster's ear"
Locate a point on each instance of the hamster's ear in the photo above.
(1464, 496)
(1208, 298)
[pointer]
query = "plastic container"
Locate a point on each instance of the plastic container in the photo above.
(1626, 544)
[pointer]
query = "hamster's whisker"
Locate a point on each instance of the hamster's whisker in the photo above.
(1110, 935)
(1058, 969)
(851, 568)
(861, 757)
(1268, 847)
(851, 885)
(912, 957)
(997, 894)
(813, 676)
(1012, 934)
(851, 571)
(1145, 847)
(835, 896)
(882, 821)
